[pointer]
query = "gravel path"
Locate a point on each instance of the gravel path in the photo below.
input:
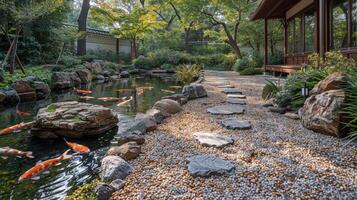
(276, 159)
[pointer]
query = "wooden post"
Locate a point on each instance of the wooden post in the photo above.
(265, 43)
(286, 40)
(322, 27)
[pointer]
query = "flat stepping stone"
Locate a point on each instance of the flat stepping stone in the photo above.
(226, 110)
(208, 165)
(232, 91)
(292, 116)
(236, 101)
(236, 124)
(237, 96)
(208, 139)
(225, 86)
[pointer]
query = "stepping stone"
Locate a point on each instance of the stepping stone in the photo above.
(277, 110)
(267, 105)
(213, 139)
(292, 116)
(217, 83)
(236, 124)
(232, 91)
(226, 110)
(208, 165)
(225, 86)
(238, 96)
(236, 101)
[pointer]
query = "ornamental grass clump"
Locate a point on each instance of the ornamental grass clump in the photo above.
(350, 107)
(188, 73)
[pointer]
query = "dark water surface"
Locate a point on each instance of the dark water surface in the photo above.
(78, 169)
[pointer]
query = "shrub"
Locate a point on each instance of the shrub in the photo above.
(251, 71)
(270, 90)
(188, 73)
(333, 62)
(211, 49)
(143, 63)
(350, 108)
(70, 61)
(167, 66)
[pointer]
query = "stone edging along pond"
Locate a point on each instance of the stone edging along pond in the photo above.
(127, 143)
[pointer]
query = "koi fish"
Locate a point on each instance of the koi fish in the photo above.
(126, 102)
(42, 167)
(126, 90)
(140, 93)
(175, 87)
(145, 88)
(79, 91)
(168, 91)
(24, 114)
(77, 147)
(109, 99)
(7, 151)
(15, 128)
(86, 97)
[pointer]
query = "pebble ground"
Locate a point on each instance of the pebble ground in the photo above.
(277, 159)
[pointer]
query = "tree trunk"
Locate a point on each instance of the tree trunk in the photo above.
(232, 42)
(187, 40)
(134, 49)
(82, 27)
(14, 50)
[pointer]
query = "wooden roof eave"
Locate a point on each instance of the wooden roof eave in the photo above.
(272, 9)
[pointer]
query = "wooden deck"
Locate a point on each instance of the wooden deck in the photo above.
(288, 69)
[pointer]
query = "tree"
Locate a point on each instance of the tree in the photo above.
(131, 22)
(82, 28)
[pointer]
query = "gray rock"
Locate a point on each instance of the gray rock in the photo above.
(114, 77)
(236, 101)
(73, 120)
(131, 125)
(42, 90)
(114, 167)
(267, 105)
(129, 137)
(213, 139)
(65, 80)
(239, 96)
(25, 90)
(292, 116)
(149, 121)
(236, 124)
(157, 115)
(208, 165)
(127, 151)
(232, 91)
(117, 184)
(84, 75)
(277, 110)
(105, 73)
(2, 97)
(182, 99)
(104, 191)
(124, 74)
(226, 110)
(100, 78)
(194, 91)
(95, 67)
(12, 98)
(167, 107)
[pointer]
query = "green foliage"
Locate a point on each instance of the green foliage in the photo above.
(333, 62)
(188, 73)
(51, 108)
(106, 55)
(84, 192)
(251, 71)
(143, 62)
(168, 66)
(290, 95)
(70, 61)
(211, 49)
(350, 108)
(270, 90)
(254, 60)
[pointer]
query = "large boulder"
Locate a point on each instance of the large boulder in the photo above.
(334, 81)
(321, 113)
(25, 90)
(2, 97)
(182, 99)
(73, 120)
(150, 122)
(156, 114)
(11, 97)
(127, 151)
(95, 66)
(124, 74)
(128, 137)
(113, 168)
(167, 107)
(194, 91)
(104, 191)
(84, 75)
(42, 89)
(65, 80)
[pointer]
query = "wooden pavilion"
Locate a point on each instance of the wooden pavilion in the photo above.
(310, 26)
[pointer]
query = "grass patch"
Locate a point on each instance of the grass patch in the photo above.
(51, 108)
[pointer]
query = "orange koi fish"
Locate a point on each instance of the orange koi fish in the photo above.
(175, 87)
(7, 151)
(42, 167)
(80, 91)
(169, 91)
(15, 128)
(126, 102)
(86, 97)
(24, 114)
(126, 90)
(109, 99)
(77, 147)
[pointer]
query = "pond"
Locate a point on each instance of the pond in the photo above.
(78, 169)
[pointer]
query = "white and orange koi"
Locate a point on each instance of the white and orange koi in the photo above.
(80, 91)
(86, 97)
(126, 102)
(77, 147)
(144, 88)
(15, 128)
(126, 90)
(24, 114)
(7, 151)
(41, 167)
(109, 99)
(168, 91)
